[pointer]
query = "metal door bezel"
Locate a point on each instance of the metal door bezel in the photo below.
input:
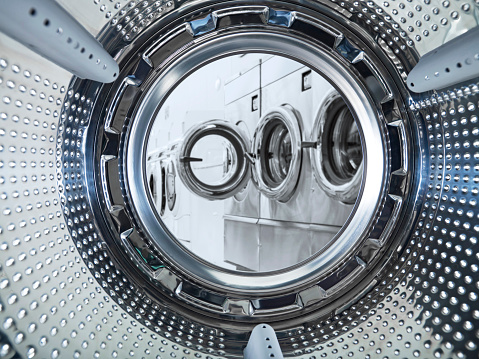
(354, 230)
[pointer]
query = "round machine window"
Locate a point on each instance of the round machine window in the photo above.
(213, 160)
(249, 204)
(341, 146)
(278, 150)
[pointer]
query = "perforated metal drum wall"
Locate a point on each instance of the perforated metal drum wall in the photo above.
(63, 294)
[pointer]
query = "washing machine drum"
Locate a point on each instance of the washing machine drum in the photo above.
(80, 272)
(277, 153)
(337, 159)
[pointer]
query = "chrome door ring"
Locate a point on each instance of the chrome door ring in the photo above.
(130, 221)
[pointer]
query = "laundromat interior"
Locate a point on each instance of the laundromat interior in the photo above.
(239, 179)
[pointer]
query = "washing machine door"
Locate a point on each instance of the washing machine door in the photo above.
(337, 158)
(277, 151)
(212, 160)
(155, 183)
(170, 185)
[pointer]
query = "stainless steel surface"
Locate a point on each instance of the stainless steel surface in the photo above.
(426, 25)
(68, 289)
(46, 28)
(454, 62)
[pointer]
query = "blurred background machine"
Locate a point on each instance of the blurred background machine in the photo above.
(303, 218)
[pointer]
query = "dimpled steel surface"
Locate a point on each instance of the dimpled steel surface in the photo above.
(63, 296)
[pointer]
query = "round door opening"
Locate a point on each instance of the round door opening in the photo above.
(338, 159)
(344, 145)
(230, 149)
(213, 160)
(206, 193)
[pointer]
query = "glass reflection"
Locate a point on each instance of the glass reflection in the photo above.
(343, 146)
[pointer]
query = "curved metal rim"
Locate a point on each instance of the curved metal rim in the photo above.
(351, 233)
(285, 189)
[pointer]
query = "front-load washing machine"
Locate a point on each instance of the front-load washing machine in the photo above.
(290, 97)
(337, 158)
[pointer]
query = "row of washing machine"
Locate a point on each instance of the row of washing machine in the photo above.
(305, 161)
(282, 93)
